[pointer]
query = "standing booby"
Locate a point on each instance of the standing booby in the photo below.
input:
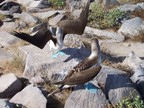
(85, 70)
(63, 27)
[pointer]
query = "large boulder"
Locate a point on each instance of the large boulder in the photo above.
(132, 27)
(30, 97)
(82, 98)
(9, 85)
(40, 61)
(116, 84)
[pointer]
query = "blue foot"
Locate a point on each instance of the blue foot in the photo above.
(58, 53)
(90, 87)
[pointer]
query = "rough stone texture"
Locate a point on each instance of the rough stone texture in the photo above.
(116, 83)
(76, 13)
(53, 21)
(44, 15)
(108, 3)
(24, 2)
(8, 26)
(39, 4)
(129, 7)
(9, 85)
(104, 33)
(122, 49)
(31, 97)
(40, 61)
(6, 39)
(82, 98)
(5, 55)
(141, 5)
(28, 18)
(138, 79)
(132, 27)
(5, 104)
(132, 60)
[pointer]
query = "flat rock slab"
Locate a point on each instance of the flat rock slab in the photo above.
(44, 15)
(104, 33)
(9, 85)
(122, 48)
(40, 61)
(7, 39)
(31, 97)
(28, 18)
(5, 55)
(117, 85)
(82, 98)
(56, 19)
(8, 26)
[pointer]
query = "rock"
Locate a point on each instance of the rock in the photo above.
(9, 85)
(53, 21)
(30, 97)
(104, 33)
(138, 79)
(108, 3)
(117, 85)
(74, 4)
(141, 5)
(9, 26)
(28, 18)
(132, 27)
(39, 4)
(5, 55)
(6, 6)
(15, 9)
(40, 61)
(129, 7)
(82, 98)
(73, 40)
(22, 25)
(24, 3)
(122, 49)
(132, 60)
(76, 13)
(44, 15)
(5, 104)
(7, 39)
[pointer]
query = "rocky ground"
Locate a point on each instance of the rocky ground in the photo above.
(25, 70)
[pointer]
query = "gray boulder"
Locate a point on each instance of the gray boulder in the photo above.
(6, 39)
(28, 18)
(132, 27)
(40, 61)
(9, 26)
(30, 97)
(104, 33)
(117, 85)
(44, 15)
(9, 85)
(82, 98)
(108, 3)
(129, 7)
(5, 104)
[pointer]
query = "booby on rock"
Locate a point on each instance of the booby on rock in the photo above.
(86, 69)
(57, 33)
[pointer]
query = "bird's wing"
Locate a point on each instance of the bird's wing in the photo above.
(39, 39)
(76, 26)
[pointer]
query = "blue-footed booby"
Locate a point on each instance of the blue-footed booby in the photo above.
(56, 34)
(85, 70)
